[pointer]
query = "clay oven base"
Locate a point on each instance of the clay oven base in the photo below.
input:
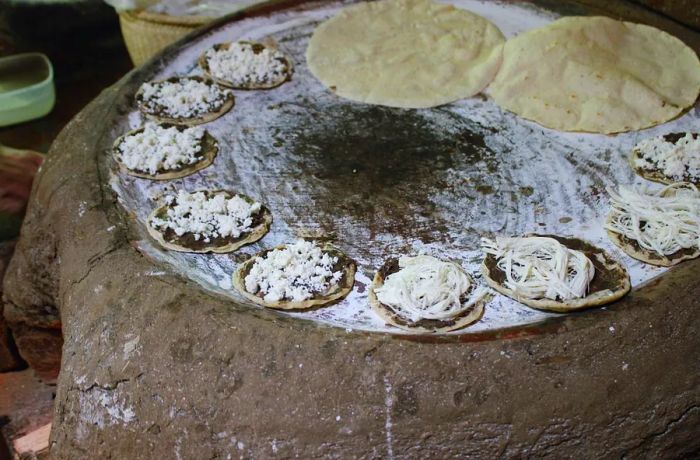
(154, 367)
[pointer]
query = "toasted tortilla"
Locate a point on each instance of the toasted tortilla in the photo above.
(252, 236)
(201, 119)
(647, 256)
(334, 294)
(204, 64)
(405, 53)
(208, 152)
(610, 283)
(424, 326)
(596, 74)
(656, 175)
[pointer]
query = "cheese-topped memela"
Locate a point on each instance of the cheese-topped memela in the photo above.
(425, 288)
(157, 149)
(679, 160)
(538, 267)
(297, 272)
(665, 221)
(182, 98)
(207, 217)
(243, 65)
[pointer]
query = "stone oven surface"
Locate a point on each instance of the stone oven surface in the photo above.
(160, 360)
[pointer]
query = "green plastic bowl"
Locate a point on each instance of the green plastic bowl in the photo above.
(26, 88)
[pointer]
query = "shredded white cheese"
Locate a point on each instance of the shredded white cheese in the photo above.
(242, 66)
(295, 273)
(425, 288)
(207, 217)
(664, 222)
(183, 98)
(679, 161)
(157, 149)
(540, 267)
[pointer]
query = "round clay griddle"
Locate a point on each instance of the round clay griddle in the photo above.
(381, 182)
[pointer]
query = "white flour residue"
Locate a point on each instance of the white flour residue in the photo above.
(388, 424)
(104, 408)
(130, 346)
(523, 179)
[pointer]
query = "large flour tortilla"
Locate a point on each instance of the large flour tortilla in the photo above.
(405, 53)
(596, 74)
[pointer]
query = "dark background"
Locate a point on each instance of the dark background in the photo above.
(83, 42)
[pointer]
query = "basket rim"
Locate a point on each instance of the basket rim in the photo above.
(159, 18)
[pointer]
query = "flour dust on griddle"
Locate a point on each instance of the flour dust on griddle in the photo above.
(381, 182)
(378, 166)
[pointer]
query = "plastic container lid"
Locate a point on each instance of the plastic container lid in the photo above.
(26, 88)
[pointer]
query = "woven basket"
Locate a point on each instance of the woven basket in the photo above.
(147, 33)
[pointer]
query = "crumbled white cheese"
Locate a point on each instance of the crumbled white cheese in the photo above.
(679, 161)
(540, 267)
(425, 288)
(242, 66)
(665, 221)
(207, 217)
(183, 98)
(296, 272)
(157, 149)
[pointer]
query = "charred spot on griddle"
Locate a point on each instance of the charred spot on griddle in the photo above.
(386, 168)
(379, 147)
(675, 137)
